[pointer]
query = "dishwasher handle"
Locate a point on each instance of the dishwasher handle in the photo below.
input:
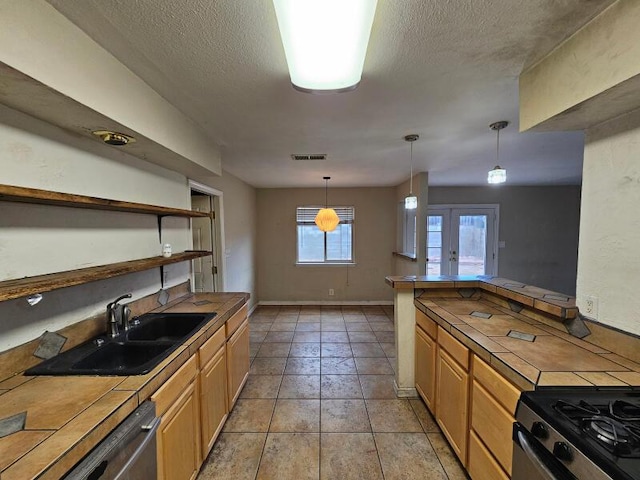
(151, 435)
(536, 461)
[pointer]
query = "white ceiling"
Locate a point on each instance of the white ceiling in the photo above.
(444, 69)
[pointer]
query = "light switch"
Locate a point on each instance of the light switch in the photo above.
(502, 244)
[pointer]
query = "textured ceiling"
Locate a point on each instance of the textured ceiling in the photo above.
(444, 69)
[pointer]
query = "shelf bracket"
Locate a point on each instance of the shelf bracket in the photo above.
(162, 277)
(160, 228)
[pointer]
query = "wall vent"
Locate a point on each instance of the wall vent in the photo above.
(309, 156)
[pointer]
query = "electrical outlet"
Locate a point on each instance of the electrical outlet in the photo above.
(331, 292)
(591, 307)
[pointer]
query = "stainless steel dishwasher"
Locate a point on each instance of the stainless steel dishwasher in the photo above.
(128, 453)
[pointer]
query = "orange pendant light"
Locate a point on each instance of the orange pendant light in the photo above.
(327, 219)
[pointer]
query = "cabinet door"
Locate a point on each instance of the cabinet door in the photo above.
(178, 438)
(452, 396)
(482, 465)
(426, 368)
(213, 396)
(237, 362)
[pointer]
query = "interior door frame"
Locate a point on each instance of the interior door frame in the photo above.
(219, 254)
(496, 224)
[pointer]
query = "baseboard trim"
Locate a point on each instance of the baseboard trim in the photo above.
(325, 302)
(252, 309)
(406, 392)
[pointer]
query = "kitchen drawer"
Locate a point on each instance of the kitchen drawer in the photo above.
(426, 324)
(501, 389)
(175, 386)
(236, 320)
(211, 346)
(481, 464)
(492, 424)
(454, 348)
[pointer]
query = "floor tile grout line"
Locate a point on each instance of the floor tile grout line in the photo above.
(264, 445)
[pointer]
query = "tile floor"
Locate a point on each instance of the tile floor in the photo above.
(319, 404)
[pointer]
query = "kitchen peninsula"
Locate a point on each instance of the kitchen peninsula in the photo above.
(470, 345)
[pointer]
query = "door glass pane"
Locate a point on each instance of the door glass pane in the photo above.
(434, 245)
(472, 246)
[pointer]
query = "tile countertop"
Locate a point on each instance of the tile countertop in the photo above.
(554, 303)
(553, 358)
(68, 415)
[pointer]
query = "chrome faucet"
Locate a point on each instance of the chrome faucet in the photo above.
(115, 316)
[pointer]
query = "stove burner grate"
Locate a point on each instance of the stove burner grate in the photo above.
(615, 426)
(624, 411)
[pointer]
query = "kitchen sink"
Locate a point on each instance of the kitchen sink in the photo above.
(137, 351)
(125, 357)
(166, 326)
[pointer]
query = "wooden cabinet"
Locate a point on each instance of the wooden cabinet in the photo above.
(178, 438)
(425, 367)
(493, 404)
(452, 392)
(237, 362)
(213, 389)
(482, 465)
(196, 400)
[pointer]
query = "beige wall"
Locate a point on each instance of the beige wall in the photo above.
(240, 231)
(43, 239)
(539, 226)
(609, 254)
(280, 279)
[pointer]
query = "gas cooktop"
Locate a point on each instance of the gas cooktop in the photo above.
(602, 423)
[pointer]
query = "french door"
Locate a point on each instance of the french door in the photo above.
(462, 240)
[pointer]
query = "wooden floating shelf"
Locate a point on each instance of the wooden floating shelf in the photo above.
(22, 287)
(9, 193)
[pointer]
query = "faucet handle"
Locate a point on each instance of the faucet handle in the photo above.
(121, 297)
(126, 313)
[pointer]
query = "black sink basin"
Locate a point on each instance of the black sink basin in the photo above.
(167, 326)
(125, 357)
(134, 352)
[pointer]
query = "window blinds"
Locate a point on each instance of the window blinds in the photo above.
(307, 215)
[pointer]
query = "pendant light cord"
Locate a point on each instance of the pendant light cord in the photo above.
(498, 147)
(326, 193)
(411, 171)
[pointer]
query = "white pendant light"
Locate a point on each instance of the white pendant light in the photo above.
(325, 42)
(327, 219)
(411, 201)
(497, 174)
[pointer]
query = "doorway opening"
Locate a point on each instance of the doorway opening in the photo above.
(207, 273)
(462, 240)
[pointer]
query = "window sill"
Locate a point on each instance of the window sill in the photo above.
(405, 256)
(324, 264)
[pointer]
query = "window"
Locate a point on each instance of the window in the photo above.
(406, 232)
(315, 246)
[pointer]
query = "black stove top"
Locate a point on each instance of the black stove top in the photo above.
(603, 423)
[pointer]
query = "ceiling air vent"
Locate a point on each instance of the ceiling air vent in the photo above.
(309, 156)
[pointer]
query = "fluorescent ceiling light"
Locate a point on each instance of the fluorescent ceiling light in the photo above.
(325, 41)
